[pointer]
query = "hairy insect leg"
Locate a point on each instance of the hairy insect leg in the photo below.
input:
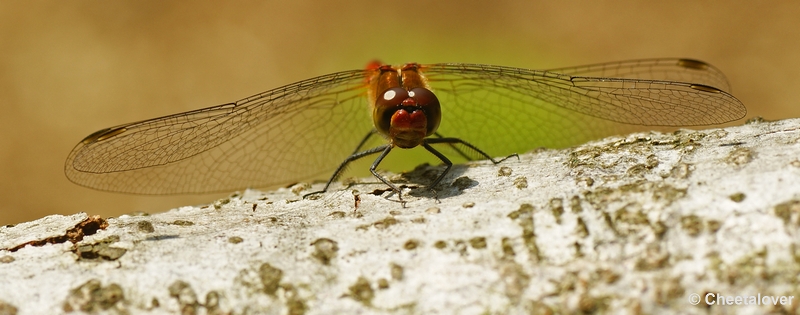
(355, 156)
(386, 150)
(452, 146)
(453, 141)
(444, 160)
(364, 141)
(447, 162)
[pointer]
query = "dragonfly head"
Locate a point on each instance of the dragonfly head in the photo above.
(407, 117)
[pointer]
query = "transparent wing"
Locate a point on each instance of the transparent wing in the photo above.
(302, 131)
(297, 132)
(665, 69)
(505, 110)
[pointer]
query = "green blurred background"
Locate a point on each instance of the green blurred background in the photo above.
(68, 69)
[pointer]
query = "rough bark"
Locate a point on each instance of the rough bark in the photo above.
(634, 224)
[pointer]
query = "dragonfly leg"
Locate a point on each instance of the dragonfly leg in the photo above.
(351, 158)
(386, 149)
(364, 141)
(441, 157)
(452, 145)
(452, 141)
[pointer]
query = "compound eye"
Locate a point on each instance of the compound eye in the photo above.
(428, 102)
(392, 97)
(386, 104)
(424, 97)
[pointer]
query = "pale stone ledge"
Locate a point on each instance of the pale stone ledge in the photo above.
(633, 224)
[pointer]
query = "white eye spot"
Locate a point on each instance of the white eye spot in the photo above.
(410, 93)
(389, 95)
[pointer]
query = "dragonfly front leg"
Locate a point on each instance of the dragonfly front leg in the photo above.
(446, 161)
(351, 158)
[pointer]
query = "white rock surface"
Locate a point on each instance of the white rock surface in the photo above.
(633, 224)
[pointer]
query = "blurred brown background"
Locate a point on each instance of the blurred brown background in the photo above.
(68, 69)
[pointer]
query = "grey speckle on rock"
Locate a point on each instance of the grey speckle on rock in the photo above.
(629, 224)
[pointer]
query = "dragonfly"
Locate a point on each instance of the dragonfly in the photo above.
(313, 128)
